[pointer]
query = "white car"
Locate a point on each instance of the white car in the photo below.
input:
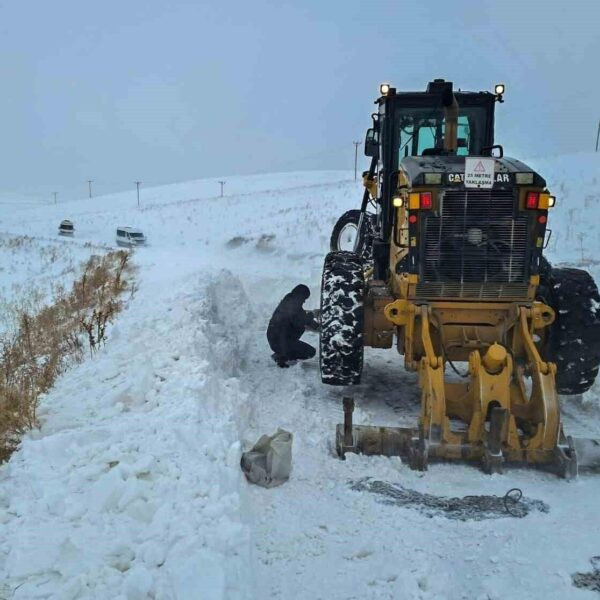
(129, 236)
(66, 227)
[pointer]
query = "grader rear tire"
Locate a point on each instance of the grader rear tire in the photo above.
(345, 230)
(574, 337)
(341, 342)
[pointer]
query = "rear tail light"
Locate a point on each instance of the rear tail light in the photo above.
(533, 199)
(420, 200)
(539, 200)
(426, 201)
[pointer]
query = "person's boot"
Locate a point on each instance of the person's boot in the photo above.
(279, 361)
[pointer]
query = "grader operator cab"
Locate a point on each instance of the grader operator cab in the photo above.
(450, 268)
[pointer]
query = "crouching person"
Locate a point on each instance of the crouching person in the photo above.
(288, 323)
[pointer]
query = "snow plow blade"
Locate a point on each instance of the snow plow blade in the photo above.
(567, 459)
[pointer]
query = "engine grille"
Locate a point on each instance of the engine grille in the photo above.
(475, 247)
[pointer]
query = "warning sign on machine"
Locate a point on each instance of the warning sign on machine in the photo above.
(479, 173)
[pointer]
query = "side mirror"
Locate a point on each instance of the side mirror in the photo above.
(495, 151)
(372, 143)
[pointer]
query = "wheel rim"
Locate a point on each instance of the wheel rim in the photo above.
(347, 237)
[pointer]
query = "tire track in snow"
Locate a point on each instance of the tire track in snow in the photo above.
(315, 538)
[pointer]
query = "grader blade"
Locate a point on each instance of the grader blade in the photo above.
(569, 458)
(588, 453)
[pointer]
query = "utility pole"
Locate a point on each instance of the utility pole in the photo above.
(356, 145)
(90, 181)
(54, 194)
(598, 136)
(137, 183)
(222, 184)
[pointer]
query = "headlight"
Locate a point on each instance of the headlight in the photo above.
(433, 178)
(524, 178)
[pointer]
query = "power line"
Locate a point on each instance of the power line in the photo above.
(331, 151)
(118, 183)
(598, 136)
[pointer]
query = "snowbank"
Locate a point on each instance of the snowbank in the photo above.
(133, 489)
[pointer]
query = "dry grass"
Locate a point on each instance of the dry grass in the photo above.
(46, 343)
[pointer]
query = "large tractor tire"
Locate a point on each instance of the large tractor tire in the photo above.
(345, 231)
(342, 314)
(574, 337)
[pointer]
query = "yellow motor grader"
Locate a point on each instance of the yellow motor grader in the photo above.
(449, 268)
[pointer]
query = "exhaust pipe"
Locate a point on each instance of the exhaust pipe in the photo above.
(441, 88)
(451, 119)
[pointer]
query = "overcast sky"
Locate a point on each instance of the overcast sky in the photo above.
(165, 91)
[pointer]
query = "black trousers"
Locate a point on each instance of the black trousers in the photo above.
(297, 350)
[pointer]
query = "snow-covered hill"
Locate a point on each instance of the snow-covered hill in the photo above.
(132, 487)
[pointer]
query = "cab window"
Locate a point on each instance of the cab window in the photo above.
(421, 131)
(463, 133)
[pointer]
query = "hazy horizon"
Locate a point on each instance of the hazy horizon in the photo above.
(166, 92)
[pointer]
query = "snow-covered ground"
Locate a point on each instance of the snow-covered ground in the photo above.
(132, 487)
(32, 271)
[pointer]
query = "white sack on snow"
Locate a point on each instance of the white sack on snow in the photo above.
(269, 462)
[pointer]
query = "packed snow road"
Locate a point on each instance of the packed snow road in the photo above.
(132, 487)
(315, 538)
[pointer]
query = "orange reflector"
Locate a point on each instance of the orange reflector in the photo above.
(544, 203)
(414, 201)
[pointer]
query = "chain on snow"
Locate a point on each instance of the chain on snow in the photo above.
(467, 508)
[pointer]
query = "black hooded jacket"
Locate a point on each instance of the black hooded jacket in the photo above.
(289, 321)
